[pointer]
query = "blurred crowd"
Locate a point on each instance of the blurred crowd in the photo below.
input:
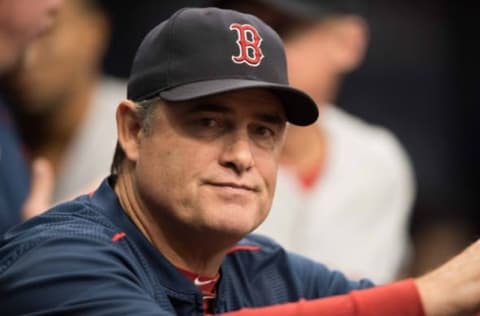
(382, 187)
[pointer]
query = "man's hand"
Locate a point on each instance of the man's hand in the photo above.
(41, 190)
(453, 288)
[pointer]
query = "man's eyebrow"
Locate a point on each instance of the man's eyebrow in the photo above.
(271, 118)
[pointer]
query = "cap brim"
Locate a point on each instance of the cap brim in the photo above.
(300, 109)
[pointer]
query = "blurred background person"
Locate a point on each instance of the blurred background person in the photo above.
(420, 78)
(345, 188)
(20, 22)
(63, 102)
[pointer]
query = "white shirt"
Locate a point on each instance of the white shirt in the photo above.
(355, 218)
(88, 157)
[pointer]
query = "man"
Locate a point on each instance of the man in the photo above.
(20, 22)
(199, 140)
(63, 104)
(348, 184)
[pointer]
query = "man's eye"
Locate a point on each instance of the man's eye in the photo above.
(209, 122)
(264, 131)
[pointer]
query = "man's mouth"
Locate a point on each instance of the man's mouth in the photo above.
(234, 186)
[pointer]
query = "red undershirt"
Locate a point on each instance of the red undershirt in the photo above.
(310, 177)
(207, 286)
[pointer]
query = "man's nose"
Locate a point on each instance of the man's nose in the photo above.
(237, 153)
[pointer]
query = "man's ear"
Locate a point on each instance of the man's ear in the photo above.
(351, 40)
(128, 129)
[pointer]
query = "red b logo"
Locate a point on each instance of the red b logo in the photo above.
(248, 42)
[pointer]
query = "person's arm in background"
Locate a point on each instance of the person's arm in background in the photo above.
(397, 299)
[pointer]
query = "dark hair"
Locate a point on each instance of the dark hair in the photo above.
(283, 23)
(145, 109)
(103, 5)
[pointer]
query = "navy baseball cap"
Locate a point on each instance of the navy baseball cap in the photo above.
(199, 52)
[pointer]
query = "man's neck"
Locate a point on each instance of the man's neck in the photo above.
(198, 252)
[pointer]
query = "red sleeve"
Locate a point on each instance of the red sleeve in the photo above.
(396, 299)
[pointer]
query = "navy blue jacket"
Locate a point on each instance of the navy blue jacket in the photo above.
(86, 257)
(14, 177)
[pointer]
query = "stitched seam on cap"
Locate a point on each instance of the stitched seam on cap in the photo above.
(170, 47)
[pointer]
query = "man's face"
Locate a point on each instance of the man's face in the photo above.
(211, 164)
(57, 65)
(20, 22)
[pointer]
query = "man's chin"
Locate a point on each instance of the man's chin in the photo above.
(234, 225)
